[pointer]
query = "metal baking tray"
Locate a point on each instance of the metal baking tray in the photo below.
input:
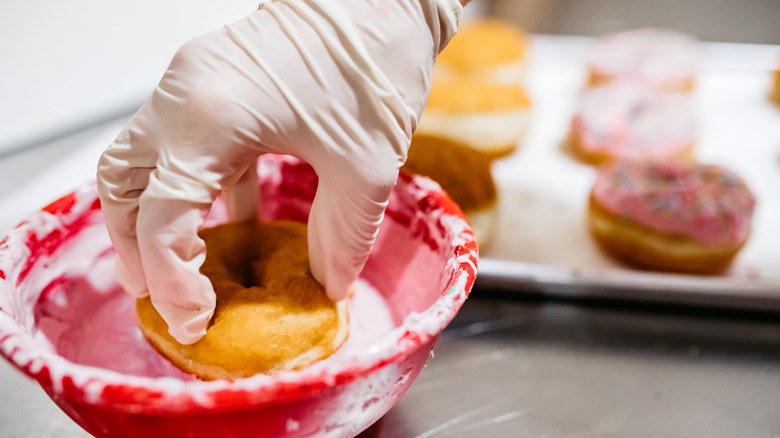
(542, 244)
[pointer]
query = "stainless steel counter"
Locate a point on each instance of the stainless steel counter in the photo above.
(530, 368)
(561, 369)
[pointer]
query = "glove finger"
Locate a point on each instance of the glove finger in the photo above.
(242, 201)
(172, 254)
(122, 175)
(344, 219)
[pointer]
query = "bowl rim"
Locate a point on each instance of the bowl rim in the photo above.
(115, 391)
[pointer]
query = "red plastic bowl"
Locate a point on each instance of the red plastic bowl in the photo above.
(65, 323)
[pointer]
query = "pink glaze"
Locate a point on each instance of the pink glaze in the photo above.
(627, 120)
(706, 203)
(65, 322)
(667, 59)
(110, 338)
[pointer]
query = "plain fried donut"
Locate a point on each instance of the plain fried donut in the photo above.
(271, 314)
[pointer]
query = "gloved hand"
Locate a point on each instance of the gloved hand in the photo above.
(337, 83)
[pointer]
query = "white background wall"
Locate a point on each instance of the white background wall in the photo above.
(64, 64)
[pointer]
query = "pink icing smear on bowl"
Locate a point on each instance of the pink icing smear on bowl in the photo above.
(89, 320)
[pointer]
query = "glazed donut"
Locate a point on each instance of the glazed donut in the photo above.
(665, 58)
(486, 49)
(627, 120)
(488, 117)
(271, 314)
(464, 174)
(670, 216)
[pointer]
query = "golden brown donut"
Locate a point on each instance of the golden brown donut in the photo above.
(485, 49)
(671, 216)
(477, 95)
(775, 92)
(271, 315)
(465, 174)
(489, 117)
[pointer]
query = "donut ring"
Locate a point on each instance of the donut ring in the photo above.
(665, 59)
(671, 216)
(626, 120)
(271, 315)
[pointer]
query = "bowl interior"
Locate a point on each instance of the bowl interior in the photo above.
(67, 323)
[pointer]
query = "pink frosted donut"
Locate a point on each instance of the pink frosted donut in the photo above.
(673, 216)
(665, 58)
(626, 120)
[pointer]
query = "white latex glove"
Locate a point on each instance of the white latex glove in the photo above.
(337, 83)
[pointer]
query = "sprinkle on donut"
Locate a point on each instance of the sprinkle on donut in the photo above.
(705, 203)
(663, 58)
(626, 120)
